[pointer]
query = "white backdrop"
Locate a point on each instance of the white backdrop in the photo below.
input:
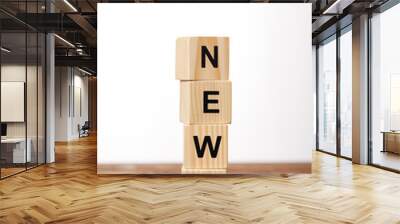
(270, 70)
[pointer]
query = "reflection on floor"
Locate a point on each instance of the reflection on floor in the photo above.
(386, 159)
(11, 169)
(70, 191)
(346, 152)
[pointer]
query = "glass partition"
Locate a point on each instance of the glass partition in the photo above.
(41, 107)
(32, 95)
(14, 153)
(22, 101)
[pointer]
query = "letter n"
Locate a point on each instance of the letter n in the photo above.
(213, 60)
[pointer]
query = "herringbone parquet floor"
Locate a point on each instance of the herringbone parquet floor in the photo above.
(69, 191)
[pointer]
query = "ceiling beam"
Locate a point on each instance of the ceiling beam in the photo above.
(84, 24)
(83, 61)
(337, 6)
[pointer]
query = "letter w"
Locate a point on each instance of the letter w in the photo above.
(207, 141)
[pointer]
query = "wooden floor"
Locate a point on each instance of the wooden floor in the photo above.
(69, 191)
(5, 172)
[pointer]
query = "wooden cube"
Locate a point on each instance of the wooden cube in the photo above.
(202, 58)
(206, 102)
(205, 147)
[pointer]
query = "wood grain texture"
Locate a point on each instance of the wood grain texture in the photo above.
(188, 58)
(176, 169)
(203, 171)
(192, 98)
(70, 191)
(191, 160)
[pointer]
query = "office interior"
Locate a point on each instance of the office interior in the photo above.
(334, 73)
(49, 84)
(33, 63)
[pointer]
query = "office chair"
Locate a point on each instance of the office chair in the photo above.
(84, 130)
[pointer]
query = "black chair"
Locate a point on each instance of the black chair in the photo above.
(84, 130)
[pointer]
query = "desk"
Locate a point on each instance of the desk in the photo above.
(15, 148)
(391, 141)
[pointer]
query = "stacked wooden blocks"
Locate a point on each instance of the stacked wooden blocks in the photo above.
(202, 66)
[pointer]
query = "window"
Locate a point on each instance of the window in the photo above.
(385, 89)
(346, 93)
(334, 106)
(327, 96)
